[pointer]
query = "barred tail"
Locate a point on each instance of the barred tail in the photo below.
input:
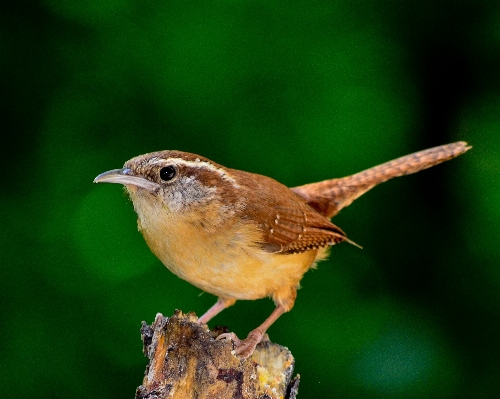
(330, 196)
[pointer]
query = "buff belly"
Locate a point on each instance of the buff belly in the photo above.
(226, 268)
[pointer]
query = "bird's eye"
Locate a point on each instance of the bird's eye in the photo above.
(167, 173)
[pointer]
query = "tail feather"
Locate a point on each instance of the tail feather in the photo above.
(330, 196)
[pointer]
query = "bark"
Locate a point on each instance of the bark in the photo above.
(185, 361)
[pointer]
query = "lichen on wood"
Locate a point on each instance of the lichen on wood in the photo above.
(186, 361)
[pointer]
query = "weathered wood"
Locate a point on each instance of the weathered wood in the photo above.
(185, 361)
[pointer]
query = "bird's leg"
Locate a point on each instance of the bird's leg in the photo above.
(220, 305)
(244, 348)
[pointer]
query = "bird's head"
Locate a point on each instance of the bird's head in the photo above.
(172, 180)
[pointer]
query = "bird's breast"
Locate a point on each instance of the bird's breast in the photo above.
(222, 257)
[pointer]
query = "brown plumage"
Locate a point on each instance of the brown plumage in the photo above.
(240, 235)
(330, 196)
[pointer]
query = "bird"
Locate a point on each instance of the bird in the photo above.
(244, 236)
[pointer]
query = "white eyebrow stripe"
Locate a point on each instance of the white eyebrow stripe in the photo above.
(199, 164)
(155, 160)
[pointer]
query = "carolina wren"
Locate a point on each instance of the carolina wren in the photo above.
(239, 235)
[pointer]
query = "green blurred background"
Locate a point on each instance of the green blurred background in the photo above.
(300, 91)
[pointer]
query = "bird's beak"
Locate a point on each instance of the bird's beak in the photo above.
(125, 176)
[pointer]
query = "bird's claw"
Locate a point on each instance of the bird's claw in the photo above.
(243, 348)
(232, 336)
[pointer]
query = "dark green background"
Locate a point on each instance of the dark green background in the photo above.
(300, 91)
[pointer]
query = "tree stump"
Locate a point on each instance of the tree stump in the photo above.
(185, 361)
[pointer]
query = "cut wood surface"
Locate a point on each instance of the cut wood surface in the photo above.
(186, 361)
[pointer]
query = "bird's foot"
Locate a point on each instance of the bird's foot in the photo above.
(244, 348)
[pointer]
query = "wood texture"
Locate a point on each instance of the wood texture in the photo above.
(185, 361)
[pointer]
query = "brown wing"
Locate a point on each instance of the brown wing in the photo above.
(330, 196)
(288, 224)
(299, 228)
